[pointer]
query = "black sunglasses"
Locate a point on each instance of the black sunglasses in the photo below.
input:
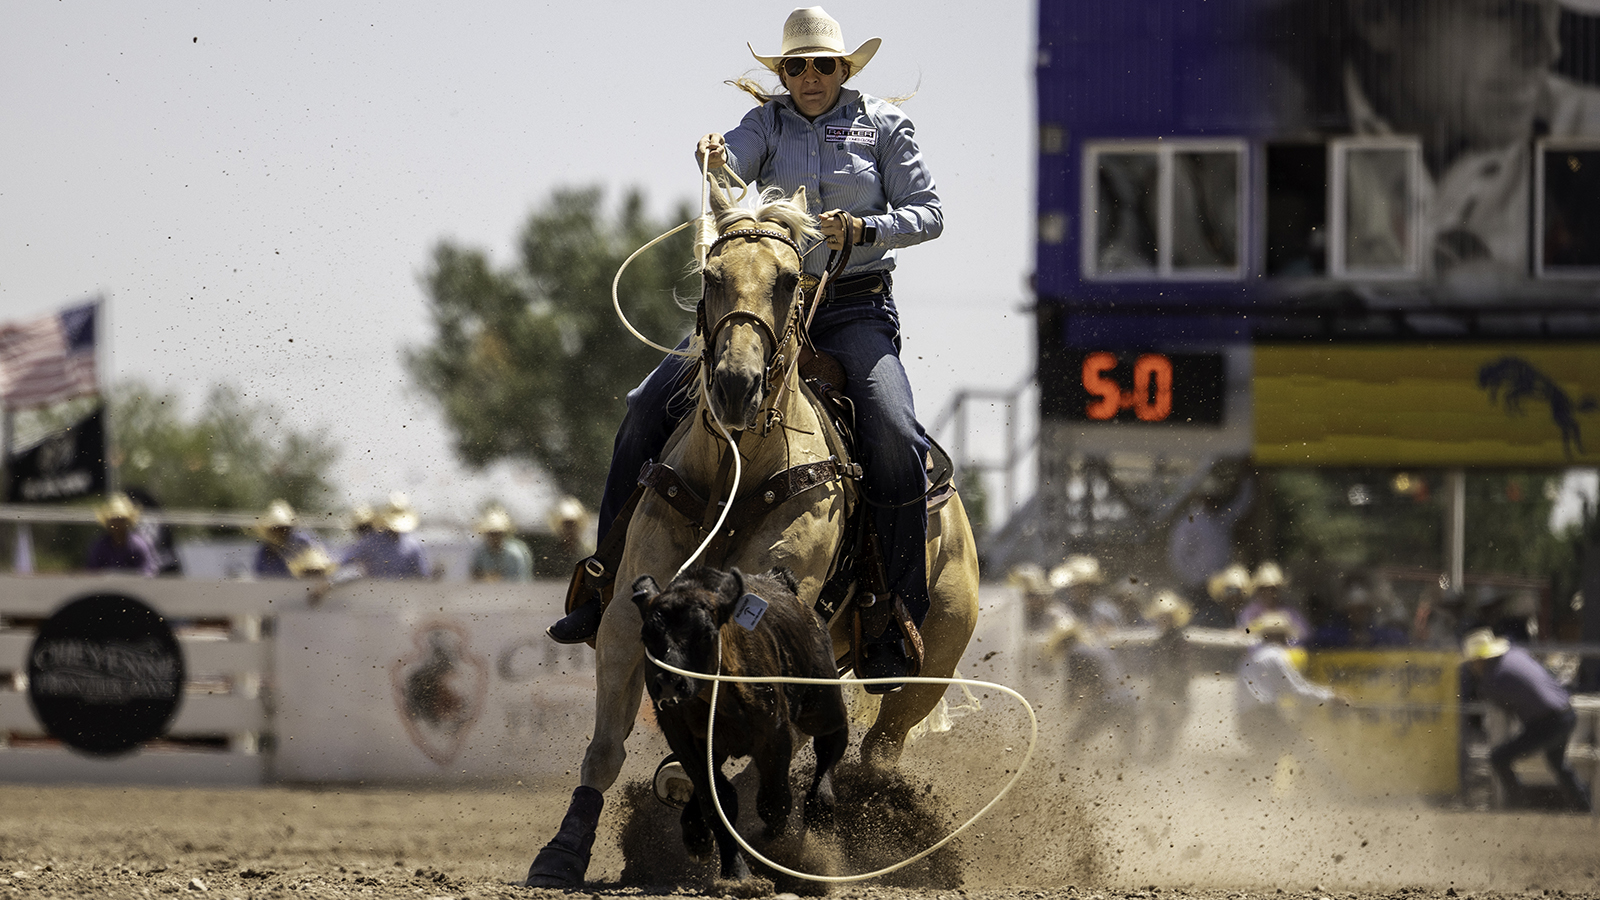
(795, 66)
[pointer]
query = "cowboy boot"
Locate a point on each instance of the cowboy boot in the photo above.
(887, 643)
(580, 625)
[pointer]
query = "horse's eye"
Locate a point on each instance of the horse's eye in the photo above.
(787, 282)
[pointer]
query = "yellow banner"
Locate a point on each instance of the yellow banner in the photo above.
(1399, 736)
(1427, 405)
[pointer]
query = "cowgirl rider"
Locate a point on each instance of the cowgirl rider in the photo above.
(857, 157)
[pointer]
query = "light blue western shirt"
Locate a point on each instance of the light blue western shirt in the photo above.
(861, 156)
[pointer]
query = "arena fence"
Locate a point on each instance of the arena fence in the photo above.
(223, 720)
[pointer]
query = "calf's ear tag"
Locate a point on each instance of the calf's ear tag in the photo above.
(749, 611)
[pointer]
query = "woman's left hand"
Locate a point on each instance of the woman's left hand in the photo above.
(838, 226)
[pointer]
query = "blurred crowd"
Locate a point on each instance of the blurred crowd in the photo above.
(372, 542)
(1124, 650)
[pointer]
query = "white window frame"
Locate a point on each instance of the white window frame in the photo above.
(1164, 150)
(1338, 210)
(1564, 273)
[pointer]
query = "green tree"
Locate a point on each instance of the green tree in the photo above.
(1354, 518)
(530, 362)
(234, 455)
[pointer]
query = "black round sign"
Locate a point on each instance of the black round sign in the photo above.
(105, 674)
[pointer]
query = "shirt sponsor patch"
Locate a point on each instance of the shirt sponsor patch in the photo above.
(841, 134)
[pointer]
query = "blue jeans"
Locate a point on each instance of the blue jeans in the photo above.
(863, 334)
(1549, 736)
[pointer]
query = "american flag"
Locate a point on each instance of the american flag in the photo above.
(50, 359)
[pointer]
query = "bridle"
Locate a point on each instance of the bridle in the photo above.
(778, 364)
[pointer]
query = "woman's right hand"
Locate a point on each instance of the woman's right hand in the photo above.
(715, 148)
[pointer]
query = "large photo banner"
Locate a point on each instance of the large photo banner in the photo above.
(1427, 405)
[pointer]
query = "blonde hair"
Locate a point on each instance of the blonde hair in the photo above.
(763, 96)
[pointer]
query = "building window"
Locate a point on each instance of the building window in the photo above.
(1567, 217)
(1375, 202)
(1169, 209)
(1297, 209)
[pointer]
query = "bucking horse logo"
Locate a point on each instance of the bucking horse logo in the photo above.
(1512, 379)
(440, 689)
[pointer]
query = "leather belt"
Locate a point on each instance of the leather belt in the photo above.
(870, 284)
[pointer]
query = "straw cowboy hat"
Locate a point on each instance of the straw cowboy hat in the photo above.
(1234, 577)
(1029, 577)
(1274, 622)
(1169, 605)
(1066, 632)
(398, 516)
(1482, 644)
(117, 506)
(279, 514)
(811, 32)
(567, 510)
(311, 562)
(495, 520)
(361, 516)
(1268, 574)
(1078, 569)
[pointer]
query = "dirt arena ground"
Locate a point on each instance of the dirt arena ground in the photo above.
(1084, 827)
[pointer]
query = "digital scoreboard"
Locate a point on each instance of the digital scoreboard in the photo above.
(1141, 387)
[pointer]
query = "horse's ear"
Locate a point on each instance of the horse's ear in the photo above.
(798, 198)
(729, 595)
(645, 589)
(719, 197)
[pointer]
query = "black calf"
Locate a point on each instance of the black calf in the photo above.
(681, 627)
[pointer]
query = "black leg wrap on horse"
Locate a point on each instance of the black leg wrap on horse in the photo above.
(563, 862)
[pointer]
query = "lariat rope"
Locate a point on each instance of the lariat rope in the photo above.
(716, 680)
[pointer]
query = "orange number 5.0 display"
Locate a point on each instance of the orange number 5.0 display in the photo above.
(1150, 399)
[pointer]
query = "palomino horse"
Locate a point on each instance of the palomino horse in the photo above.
(752, 387)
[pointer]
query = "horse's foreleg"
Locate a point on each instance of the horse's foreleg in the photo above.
(619, 682)
(619, 685)
(898, 713)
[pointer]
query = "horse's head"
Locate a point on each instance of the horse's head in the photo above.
(751, 301)
(681, 625)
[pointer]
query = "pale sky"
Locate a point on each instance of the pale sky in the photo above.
(256, 187)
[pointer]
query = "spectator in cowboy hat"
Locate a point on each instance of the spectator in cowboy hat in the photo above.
(1168, 699)
(281, 540)
(1269, 688)
(1266, 595)
(390, 550)
(1510, 678)
(312, 562)
(362, 520)
(1096, 687)
(569, 522)
(501, 555)
(1079, 578)
(1039, 605)
(120, 548)
(1227, 590)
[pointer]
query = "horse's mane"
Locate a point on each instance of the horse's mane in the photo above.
(773, 208)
